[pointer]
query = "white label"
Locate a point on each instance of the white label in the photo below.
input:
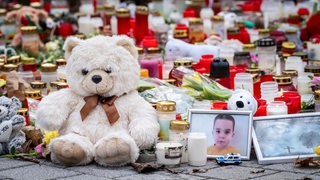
(5, 131)
(173, 152)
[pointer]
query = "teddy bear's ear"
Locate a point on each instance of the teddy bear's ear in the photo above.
(69, 44)
(128, 45)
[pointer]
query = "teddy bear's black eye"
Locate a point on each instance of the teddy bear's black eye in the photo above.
(84, 72)
(248, 102)
(108, 70)
(240, 96)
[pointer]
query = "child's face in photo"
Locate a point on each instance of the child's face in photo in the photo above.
(223, 132)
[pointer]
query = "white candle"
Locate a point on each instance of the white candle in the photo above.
(169, 153)
(197, 149)
(277, 108)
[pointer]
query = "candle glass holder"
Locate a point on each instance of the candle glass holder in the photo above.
(277, 108)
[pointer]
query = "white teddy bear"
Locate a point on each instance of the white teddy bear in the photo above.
(101, 116)
(242, 100)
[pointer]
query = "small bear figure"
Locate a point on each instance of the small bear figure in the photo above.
(242, 100)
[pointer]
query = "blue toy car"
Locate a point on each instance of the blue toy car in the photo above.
(229, 159)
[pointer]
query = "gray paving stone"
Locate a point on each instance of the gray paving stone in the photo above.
(289, 176)
(292, 168)
(6, 163)
(234, 172)
(107, 172)
(84, 177)
(160, 176)
(36, 171)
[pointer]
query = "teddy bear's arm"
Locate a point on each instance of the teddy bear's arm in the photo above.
(17, 141)
(143, 126)
(54, 109)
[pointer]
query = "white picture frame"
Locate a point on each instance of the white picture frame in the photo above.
(283, 138)
(203, 121)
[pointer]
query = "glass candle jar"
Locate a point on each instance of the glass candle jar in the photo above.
(42, 86)
(242, 58)
(269, 90)
(123, 21)
(181, 32)
(197, 149)
(166, 112)
(251, 48)
(267, 55)
(30, 40)
(175, 73)
(196, 32)
(33, 94)
(316, 100)
(178, 132)
(109, 11)
(48, 72)
(233, 33)
(151, 61)
(27, 76)
(288, 47)
(277, 108)
(255, 74)
(218, 26)
(315, 69)
(29, 64)
(244, 81)
(169, 153)
(86, 7)
(142, 28)
(284, 83)
(304, 82)
(303, 56)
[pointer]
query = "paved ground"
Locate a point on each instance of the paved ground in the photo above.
(18, 169)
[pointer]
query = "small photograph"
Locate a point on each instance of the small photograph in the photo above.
(279, 139)
(227, 131)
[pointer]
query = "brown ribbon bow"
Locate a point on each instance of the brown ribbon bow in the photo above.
(107, 104)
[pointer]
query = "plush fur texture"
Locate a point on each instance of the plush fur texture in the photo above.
(242, 100)
(114, 59)
(11, 124)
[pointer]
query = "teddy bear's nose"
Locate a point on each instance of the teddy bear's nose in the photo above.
(96, 79)
(240, 104)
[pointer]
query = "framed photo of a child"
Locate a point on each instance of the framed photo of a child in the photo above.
(227, 131)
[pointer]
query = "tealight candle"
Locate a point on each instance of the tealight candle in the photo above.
(197, 149)
(169, 153)
(277, 108)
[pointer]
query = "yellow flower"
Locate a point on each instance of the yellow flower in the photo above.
(317, 150)
(48, 135)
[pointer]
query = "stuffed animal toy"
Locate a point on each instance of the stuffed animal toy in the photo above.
(100, 116)
(179, 48)
(242, 100)
(11, 124)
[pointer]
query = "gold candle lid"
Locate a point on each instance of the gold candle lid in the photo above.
(109, 9)
(179, 125)
(28, 60)
(290, 72)
(291, 32)
(303, 55)
(140, 50)
(180, 33)
(316, 94)
(153, 50)
(62, 85)
(186, 62)
(23, 112)
(248, 47)
(166, 106)
(312, 68)
(38, 85)
(263, 31)
(17, 6)
(36, 5)
(142, 10)
(54, 83)
(282, 80)
(233, 30)
(61, 62)
(13, 60)
(2, 60)
(253, 70)
(33, 93)
(48, 67)
(289, 45)
(10, 67)
(195, 21)
(123, 12)
(3, 12)
(28, 29)
(80, 36)
(217, 18)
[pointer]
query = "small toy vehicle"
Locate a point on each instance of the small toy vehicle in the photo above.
(229, 159)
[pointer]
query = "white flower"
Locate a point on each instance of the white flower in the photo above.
(51, 45)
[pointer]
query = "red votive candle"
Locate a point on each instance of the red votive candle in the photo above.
(123, 17)
(295, 98)
(141, 29)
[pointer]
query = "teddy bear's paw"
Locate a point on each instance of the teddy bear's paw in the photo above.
(113, 152)
(68, 153)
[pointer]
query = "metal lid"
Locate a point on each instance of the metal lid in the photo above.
(180, 33)
(312, 68)
(196, 2)
(316, 94)
(289, 45)
(23, 112)
(242, 54)
(142, 10)
(247, 47)
(266, 42)
(186, 62)
(303, 55)
(122, 12)
(13, 60)
(166, 106)
(282, 80)
(153, 50)
(33, 93)
(48, 67)
(29, 60)
(28, 29)
(290, 72)
(178, 125)
(61, 62)
(263, 31)
(140, 50)
(109, 9)
(10, 67)
(195, 21)
(62, 85)
(253, 70)
(2, 60)
(233, 30)
(217, 18)
(38, 85)
(54, 83)
(291, 32)
(80, 36)
(3, 12)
